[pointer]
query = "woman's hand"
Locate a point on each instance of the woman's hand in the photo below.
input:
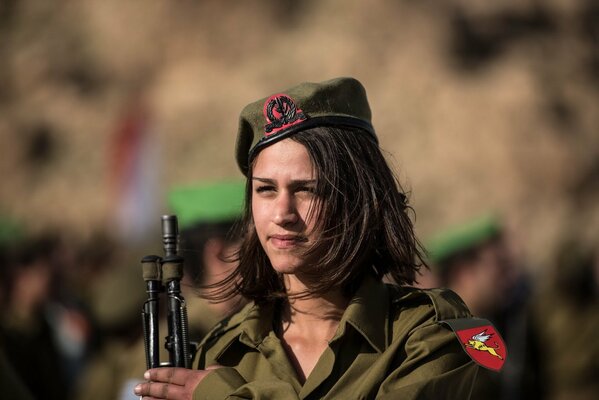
(171, 383)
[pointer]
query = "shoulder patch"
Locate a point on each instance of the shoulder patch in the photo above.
(480, 340)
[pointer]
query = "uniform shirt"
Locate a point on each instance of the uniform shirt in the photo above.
(389, 344)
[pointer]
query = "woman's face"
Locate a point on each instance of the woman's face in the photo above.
(283, 185)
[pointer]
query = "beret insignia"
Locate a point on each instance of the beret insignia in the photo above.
(281, 112)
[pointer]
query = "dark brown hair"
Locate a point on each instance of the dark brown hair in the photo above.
(363, 222)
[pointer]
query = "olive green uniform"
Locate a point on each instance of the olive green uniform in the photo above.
(390, 344)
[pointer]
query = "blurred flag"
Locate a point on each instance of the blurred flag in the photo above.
(134, 174)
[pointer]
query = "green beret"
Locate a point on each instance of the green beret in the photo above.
(10, 231)
(207, 202)
(462, 237)
(336, 102)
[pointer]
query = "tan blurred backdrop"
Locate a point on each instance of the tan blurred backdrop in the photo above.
(481, 105)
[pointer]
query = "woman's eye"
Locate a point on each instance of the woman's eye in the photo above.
(264, 189)
(308, 189)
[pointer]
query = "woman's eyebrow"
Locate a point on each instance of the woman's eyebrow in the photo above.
(303, 182)
(292, 183)
(263, 180)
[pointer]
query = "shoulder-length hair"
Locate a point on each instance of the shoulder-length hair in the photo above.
(363, 222)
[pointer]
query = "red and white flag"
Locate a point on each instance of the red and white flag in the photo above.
(135, 171)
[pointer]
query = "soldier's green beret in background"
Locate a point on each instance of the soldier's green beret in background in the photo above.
(336, 102)
(10, 231)
(462, 237)
(207, 202)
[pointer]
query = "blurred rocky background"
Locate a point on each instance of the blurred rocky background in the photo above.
(481, 105)
(107, 105)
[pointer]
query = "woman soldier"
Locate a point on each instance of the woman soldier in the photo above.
(325, 222)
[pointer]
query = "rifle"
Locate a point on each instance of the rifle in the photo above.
(163, 276)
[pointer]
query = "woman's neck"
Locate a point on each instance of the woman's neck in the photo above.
(307, 325)
(312, 312)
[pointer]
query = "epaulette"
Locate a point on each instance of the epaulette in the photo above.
(447, 304)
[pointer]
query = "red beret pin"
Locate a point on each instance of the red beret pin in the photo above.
(281, 112)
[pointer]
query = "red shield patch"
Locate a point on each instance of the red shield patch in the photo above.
(481, 341)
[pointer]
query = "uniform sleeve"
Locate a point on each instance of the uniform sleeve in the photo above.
(435, 367)
(227, 383)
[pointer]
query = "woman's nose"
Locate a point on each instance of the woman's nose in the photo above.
(285, 212)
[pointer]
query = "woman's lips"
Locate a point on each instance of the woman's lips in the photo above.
(286, 241)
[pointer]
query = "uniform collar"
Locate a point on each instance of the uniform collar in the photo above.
(258, 324)
(249, 327)
(367, 313)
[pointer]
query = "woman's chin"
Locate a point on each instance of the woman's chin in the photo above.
(287, 265)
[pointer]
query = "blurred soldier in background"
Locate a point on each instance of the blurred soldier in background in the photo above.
(115, 300)
(566, 324)
(116, 294)
(26, 334)
(11, 384)
(206, 214)
(474, 260)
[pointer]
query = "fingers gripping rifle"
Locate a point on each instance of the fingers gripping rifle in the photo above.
(163, 275)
